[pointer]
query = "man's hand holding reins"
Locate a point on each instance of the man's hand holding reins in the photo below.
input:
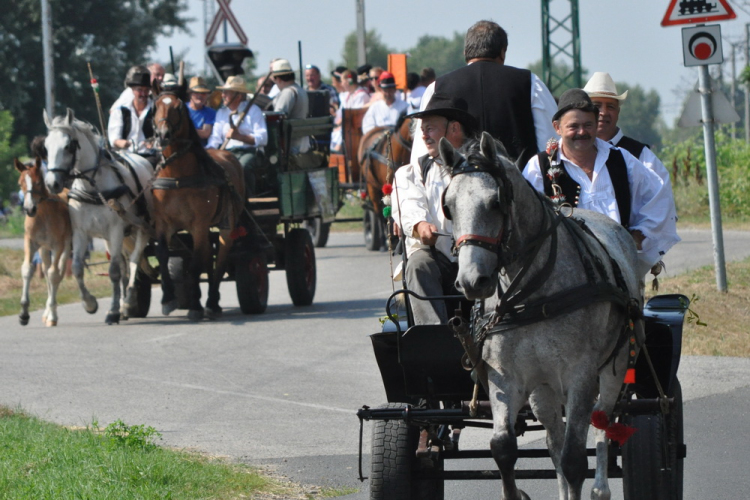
(426, 233)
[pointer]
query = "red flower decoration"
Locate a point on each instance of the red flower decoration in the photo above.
(620, 433)
(387, 189)
(600, 420)
(551, 147)
(363, 194)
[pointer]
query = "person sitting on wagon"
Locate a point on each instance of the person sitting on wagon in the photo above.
(203, 116)
(598, 176)
(246, 138)
(131, 126)
(418, 212)
(385, 112)
(354, 97)
(291, 100)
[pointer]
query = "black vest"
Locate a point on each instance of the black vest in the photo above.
(500, 98)
(425, 163)
(618, 172)
(148, 123)
(632, 146)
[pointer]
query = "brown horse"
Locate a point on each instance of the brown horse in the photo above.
(46, 227)
(194, 190)
(374, 158)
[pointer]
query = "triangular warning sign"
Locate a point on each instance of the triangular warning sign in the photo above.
(697, 11)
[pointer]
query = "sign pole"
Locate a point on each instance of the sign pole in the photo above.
(704, 87)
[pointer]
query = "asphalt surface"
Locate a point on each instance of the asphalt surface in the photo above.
(281, 389)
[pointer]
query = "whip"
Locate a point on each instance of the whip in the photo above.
(95, 86)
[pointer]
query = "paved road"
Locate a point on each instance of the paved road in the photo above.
(281, 389)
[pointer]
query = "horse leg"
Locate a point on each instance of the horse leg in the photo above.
(55, 276)
(27, 272)
(131, 298)
(48, 266)
(200, 261)
(506, 401)
(80, 244)
(168, 299)
(581, 396)
(116, 236)
(213, 310)
(546, 405)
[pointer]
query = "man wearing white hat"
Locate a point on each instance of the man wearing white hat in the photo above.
(291, 100)
(247, 138)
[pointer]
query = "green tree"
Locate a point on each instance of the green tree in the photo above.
(639, 114)
(558, 68)
(9, 149)
(439, 53)
(376, 51)
(111, 34)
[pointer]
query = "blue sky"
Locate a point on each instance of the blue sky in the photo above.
(622, 37)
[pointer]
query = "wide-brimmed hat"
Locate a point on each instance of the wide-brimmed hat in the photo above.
(169, 81)
(198, 84)
(338, 72)
(574, 99)
(138, 76)
(236, 84)
(281, 67)
(602, 85)
(386, 80)
(453, 108)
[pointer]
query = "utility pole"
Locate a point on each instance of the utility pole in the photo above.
(49, 68)
(361, 33)
(561, 43)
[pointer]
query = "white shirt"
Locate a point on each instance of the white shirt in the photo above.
(651, 202)
(381, 114)
(254, 124)
(415, 98)
(126, 97)
(357, 99)
(413, 201)
(543, 108)
(136, 136)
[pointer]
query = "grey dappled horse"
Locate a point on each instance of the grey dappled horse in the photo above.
(74, 153)
(558, 328)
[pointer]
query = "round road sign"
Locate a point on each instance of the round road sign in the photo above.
(702, 45)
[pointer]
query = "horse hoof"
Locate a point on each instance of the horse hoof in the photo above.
(50, 323)
(112, 318)
(172, 305)
(195, 314)
(523, 495)
(23, 319)
(91, 308)
(214, 313)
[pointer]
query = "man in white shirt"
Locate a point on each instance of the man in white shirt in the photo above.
(157, 74)
(131, 125)
(246, 138)
(385, 112)
(600, 177)
(417, 208)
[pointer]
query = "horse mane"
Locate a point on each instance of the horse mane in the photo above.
(79, 126)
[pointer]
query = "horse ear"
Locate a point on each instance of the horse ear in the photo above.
(19, 166)
(69, 117)
(487, 146)
(47, 121)
(447, 152)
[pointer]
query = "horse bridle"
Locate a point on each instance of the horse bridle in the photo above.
(187, 143)
(73, 147)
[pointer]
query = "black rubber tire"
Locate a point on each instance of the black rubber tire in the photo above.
(143, 295)
(299, 259)
(319, 231)
(373, 230)
(176, 266)
(394, 444)
(251, 282)
(658, 436)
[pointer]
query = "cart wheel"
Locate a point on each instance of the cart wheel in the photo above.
(177, 271)
(653, 458)
(251, 281)
(299, 259)
(143, 295)
(394, 444)
(373, 231)
(319, 231)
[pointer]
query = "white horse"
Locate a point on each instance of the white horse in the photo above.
(75, 153)
(558, 332)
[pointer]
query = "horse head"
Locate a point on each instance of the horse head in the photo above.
(171, 120)
(478, 201)
(31, 183)
(72, 147)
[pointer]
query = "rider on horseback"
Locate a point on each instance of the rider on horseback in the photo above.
(417, 207)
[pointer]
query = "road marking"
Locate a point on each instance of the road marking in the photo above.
(248, 396)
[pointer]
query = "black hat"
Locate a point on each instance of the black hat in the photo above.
(338, 72)
(138, 79)
(364, 69)
(574, 99)
(454, 109)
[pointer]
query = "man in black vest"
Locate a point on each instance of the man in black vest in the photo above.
(590, 173)
(131, 126)
(512, 104)
(417, 208)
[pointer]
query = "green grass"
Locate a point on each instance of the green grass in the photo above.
(352, 209)
(42, 461)
(12, 226)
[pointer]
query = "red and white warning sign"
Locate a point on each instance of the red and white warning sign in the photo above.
(702, 45)
(697, 11)
(225, 14)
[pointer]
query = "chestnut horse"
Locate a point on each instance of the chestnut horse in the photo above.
(46, 228)
(374, 159)
(194, 190)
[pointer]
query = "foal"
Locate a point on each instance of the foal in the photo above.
(47, 227)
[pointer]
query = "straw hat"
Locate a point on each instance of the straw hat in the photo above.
(236, 84)
(602, 85)
(198, 84)
(281, 67)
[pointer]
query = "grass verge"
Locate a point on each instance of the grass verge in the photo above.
(46, 461)
(726, 315)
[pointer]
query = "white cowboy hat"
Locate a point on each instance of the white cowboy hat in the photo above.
(602, 85)
(236, 84)
(281, 67)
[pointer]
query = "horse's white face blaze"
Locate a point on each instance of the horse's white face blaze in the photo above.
(59, 159)
(29, 198)
(470, 197)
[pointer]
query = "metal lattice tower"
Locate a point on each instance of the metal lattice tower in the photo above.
(561, 44)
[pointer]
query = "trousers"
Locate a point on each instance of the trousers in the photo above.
(430, 273)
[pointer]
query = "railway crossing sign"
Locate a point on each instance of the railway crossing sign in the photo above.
(225, 14)
(702, 45)
(697, 11)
